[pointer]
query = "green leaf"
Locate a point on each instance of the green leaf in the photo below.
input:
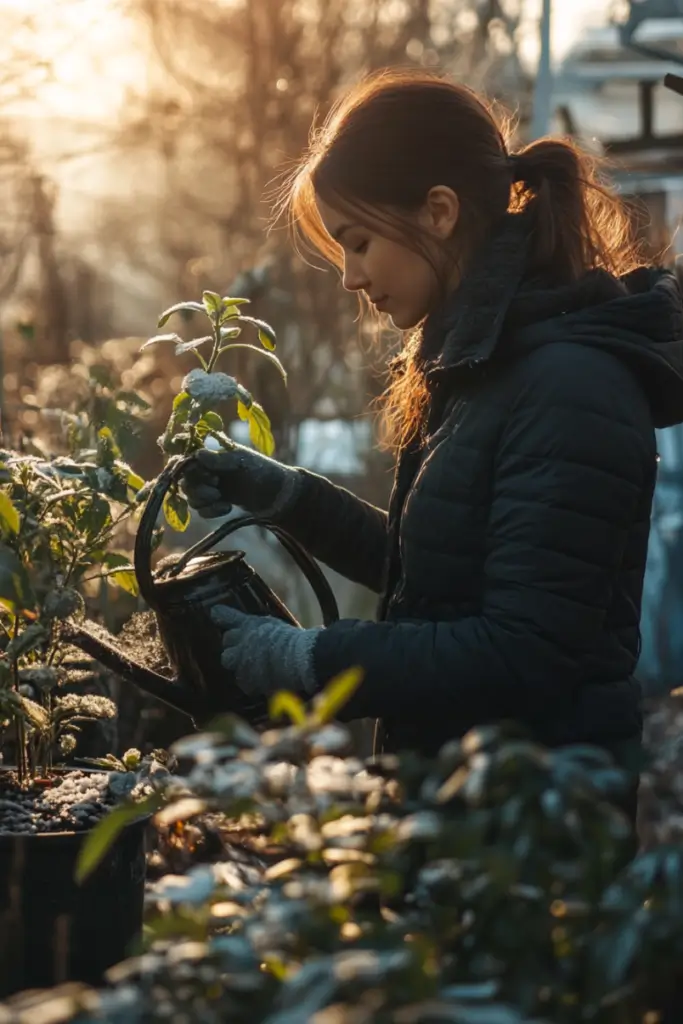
(101, 375)
(36, 715)
(210, 422)
(266, 334)
(259, 430)
(159, 338)
(180, 307)
(9, 516)
(15, 588)
(144, 492)
(182, 403)
(230, 332)
(624, 948)
(213, 420)
(109, 762)
(266, 339)
(336, 694)
(125, 576)
(62, 602)
(135, 482)
(28, 640)
(107, 449)
(133, 399)
(94, 517)
(105, 833)
(212, 303)
(230, 308)
(176, 511)
(190, 346)
(175, 444)
(182, 406)
(284, 703)
(267, 355)
(10, 700)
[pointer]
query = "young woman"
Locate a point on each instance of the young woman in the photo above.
(523, 405)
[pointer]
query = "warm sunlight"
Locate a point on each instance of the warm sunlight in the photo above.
(89, 45)
(91, 41)
(569, 19)
(408, 746)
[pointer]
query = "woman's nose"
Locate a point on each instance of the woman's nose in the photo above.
(354, 279)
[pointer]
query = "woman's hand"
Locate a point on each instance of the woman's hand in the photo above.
(266, 654)
(215, 481)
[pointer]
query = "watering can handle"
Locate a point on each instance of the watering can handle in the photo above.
(143, 545)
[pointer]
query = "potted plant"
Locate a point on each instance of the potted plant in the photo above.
(60, 523)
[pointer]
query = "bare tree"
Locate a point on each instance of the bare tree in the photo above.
(30, 269)
(233, 90)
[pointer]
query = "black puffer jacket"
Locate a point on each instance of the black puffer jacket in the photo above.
(511, 560)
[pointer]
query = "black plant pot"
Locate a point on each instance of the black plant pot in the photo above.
(53, 930)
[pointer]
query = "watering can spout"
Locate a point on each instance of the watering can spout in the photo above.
(93, 642)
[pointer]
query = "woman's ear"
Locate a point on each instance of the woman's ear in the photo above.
(441, 211)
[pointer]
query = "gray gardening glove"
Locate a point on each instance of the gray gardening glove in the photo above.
(266, 654)
(215, 481)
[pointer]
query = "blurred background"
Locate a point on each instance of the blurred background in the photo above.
(139, 140)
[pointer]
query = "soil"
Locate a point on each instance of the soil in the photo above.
(70, 802)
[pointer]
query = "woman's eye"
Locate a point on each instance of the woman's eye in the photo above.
(360, 248)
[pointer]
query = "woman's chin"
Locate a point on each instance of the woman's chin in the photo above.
(403, 322)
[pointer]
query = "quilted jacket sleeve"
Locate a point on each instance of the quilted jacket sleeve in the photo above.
(339, 529)
(575, 452)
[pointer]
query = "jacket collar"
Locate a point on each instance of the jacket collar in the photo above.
(467, 327)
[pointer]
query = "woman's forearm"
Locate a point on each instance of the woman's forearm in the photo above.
(339, 529)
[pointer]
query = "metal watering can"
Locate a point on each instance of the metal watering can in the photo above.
(181, 593)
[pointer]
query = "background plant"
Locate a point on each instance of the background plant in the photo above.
(62, 519)
(488, 885)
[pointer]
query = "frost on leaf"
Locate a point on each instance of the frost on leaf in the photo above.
(42, 677)
(87, 704)
(67, 744)
(209, 388)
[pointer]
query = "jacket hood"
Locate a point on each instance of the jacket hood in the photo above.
(638, 318)
(495, 310)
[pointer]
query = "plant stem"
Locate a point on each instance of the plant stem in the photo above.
(19, 739)
(20, 727)
(49, 742)
(216, 351)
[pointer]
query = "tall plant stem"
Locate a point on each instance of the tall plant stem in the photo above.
(20, 726)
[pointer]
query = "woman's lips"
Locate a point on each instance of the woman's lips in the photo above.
(381, 304)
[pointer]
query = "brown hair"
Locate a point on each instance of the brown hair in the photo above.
(399, 133)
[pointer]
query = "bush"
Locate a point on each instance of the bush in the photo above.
(483, 887)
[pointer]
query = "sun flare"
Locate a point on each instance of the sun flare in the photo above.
(94, 56)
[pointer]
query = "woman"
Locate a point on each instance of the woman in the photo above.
(510, 563)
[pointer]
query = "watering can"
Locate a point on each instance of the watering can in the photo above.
(181, 593)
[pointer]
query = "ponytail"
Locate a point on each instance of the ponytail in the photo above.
(578, 222)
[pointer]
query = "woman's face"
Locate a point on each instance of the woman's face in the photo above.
(397, 280)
